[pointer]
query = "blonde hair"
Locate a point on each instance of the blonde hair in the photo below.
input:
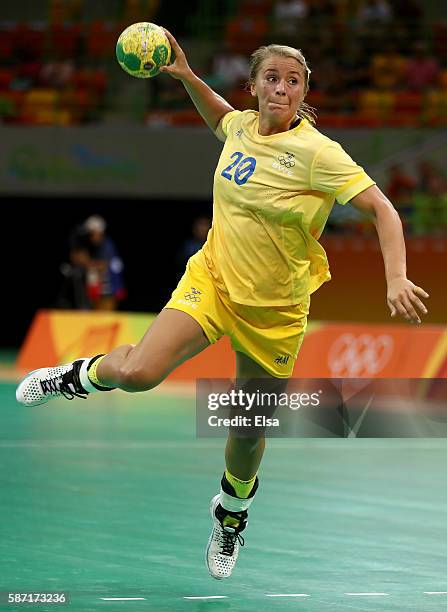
(265, 51)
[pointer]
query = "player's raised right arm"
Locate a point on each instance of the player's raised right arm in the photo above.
(210, 105)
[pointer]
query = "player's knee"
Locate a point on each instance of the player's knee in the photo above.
(134, 378)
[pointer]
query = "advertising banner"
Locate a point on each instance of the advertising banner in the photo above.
(330, 350)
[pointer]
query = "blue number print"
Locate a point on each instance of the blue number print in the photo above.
(244, 168)
(238, 155)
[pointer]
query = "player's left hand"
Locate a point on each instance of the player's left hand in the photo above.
(403, 298)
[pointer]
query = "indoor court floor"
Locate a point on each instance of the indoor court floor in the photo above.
(107, 500)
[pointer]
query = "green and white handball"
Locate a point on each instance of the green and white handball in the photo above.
(142, 49)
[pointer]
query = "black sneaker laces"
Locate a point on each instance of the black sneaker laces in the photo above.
(52, 386)
(229, 541)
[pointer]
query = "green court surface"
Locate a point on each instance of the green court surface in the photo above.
(108, 498)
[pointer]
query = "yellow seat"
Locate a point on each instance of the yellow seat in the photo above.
(40, 106)
(376, 104)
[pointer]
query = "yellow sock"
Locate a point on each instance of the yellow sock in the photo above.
(242, 487)
(230, 521)
(92, 375)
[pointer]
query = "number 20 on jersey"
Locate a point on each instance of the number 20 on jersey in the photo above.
(240, 169)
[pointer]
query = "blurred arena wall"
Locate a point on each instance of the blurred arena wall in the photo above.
(169, 162)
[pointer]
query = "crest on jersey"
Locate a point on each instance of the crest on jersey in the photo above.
(287, 160)
(284, 163)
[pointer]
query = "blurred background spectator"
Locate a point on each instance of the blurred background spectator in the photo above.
(375, 13)
(288, 18)
(230, 69)
(199, 232)
(94, 276)
(422, 70)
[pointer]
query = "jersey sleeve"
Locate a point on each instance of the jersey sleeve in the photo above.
(333, 171)
(228, 119)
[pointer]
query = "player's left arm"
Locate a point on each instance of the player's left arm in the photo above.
(403, 296)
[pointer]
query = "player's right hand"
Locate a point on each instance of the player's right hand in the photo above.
(179, 69)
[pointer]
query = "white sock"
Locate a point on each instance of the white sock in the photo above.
(85, 380)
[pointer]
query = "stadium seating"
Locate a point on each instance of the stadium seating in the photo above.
(40, 107)
(88, 45)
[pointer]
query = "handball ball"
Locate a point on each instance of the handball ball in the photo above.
(142, 49)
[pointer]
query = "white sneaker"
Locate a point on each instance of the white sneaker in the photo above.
(42, 385)
(224, 542)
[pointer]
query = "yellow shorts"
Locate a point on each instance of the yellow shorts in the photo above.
(270, 335)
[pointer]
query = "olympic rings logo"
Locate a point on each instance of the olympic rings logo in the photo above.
(351, 356)
(288, 161)
(193, 296)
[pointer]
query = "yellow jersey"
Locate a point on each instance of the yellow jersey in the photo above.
(272, 197)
